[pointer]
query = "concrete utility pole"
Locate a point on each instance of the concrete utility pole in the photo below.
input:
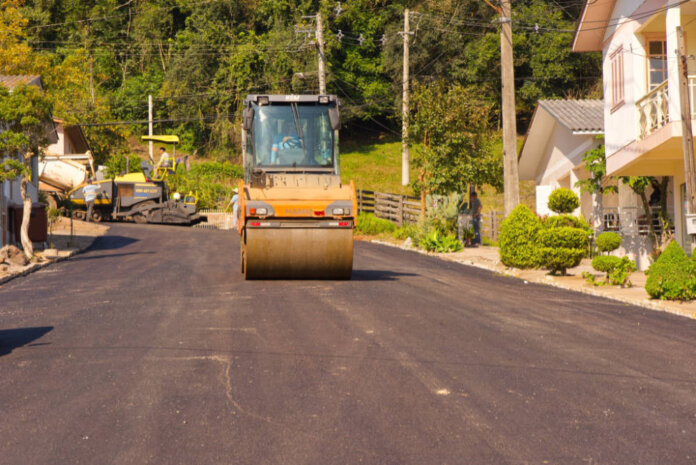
(687, 135)
(320, 45)
(404, 111)
(510, 168)
(149, 125)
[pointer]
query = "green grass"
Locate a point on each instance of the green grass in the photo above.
(376, 166)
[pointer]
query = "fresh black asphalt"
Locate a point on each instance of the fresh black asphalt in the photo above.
(150, 348)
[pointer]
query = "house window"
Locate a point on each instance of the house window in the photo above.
(657, 63)
(617, 78)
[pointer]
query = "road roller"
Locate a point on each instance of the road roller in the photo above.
(295, 216)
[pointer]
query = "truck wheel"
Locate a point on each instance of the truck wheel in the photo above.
(97, 216)
(79, 215)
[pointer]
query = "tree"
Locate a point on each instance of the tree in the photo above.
(25, 113)
(450, 123)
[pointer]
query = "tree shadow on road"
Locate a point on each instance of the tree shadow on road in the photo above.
(11, 339)
(111, 255)
(111, 242)
(378, 275)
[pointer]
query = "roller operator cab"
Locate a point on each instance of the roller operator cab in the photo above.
(296, 218)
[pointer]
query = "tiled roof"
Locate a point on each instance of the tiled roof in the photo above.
(13, 81)
(577, 115)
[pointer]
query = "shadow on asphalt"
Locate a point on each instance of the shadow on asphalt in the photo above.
(378, 275)
(111, 242)
(111, 255)
(11, 339)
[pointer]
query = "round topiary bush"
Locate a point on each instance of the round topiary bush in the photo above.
(563, 200)
(605, 263)
(558, 221)
(518, 244)
(562, 248)
(608, 241)
(672, 276)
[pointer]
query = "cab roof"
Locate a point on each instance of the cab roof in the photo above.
(291, 98)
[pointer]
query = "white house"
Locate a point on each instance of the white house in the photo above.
(10, 195)
(642, 120)
(560, 133)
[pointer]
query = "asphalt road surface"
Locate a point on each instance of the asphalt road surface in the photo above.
(150, 349)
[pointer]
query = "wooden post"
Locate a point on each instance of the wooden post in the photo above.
(687, 135)
(401, 211)
(507, 71)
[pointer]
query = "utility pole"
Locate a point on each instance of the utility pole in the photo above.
(687, 135)
(149, 125)
(320, 45)
(404, 110)
(510, 166)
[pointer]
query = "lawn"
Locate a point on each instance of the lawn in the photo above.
(376, 166)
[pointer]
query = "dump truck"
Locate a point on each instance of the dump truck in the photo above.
(143, 197)
(295, 216)
(59, 174)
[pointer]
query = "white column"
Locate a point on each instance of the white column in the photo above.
(673, 19)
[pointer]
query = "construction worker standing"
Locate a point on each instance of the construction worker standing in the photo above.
(90, 193)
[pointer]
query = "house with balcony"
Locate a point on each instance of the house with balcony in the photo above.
(642, 117)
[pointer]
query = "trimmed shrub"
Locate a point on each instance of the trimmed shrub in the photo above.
(672, 276)
(559, 221)
(369, 224)
(605, 263)
(573, 238)
(608, 241)
(563, 200)
(618, 269)
(519, 247)
(562, 248)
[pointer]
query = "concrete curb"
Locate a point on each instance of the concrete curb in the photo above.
(37, 266)
(645, 303)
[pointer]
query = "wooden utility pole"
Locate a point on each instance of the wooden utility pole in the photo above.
(404, 111)
(510, 168)
(149, 126)
(687, 135)
(320, 66)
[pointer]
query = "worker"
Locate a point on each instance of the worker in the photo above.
(165, 161)
(476, 208)
(287, 138)
(90, 193)
(235, 204)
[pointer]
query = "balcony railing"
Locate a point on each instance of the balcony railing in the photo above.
(653, 110)
(632, 221)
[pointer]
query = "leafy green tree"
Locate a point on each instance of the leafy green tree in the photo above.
(25, 114)
(454, 151)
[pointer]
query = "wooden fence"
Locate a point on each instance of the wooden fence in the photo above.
(402, 209)
(397, 208)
